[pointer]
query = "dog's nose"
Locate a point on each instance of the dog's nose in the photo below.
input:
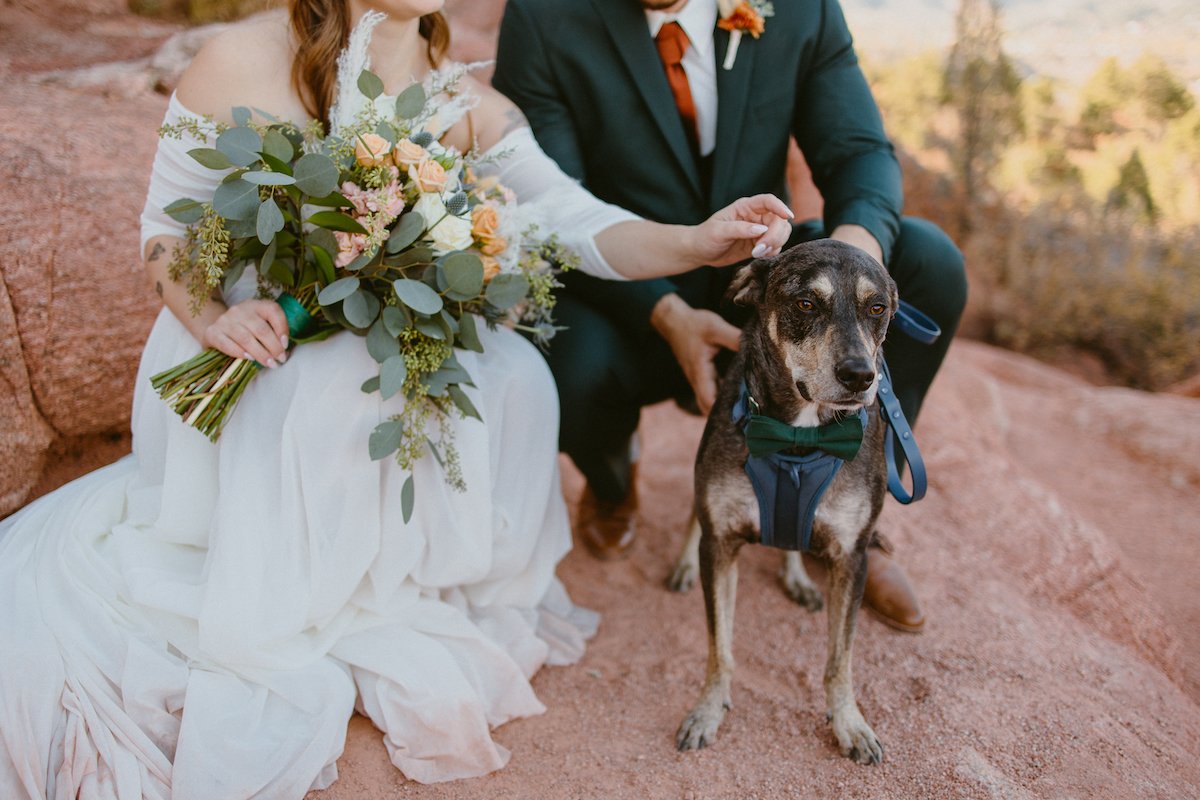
(856, 374)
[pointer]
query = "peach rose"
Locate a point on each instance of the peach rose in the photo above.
(408, 154)
(371, 150)
(491, 268)
(484, 222)
(494, 245)
(429, 176)
(744, 18)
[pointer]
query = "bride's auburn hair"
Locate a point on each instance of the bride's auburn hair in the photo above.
(322, 29)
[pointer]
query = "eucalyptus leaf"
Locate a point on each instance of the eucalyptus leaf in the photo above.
(323, 262)
(240, 145)
(241, 116)
(385, 439)
(280, 273)
(431, 328)
(381, 344)
(385, 130)
(392, 374)
(506, 290)
(237, 199)
(276, 165)
(435, 384)
(233, 275)
(449, 324)
(275, 144)
(411, 102)
(464, 275)
(370, 385)
(264, 178)
(361, 309)
(208, 157)
(268, 257)
(316, 175)
(463, 402)
(336, 221)
(454, 372)
(338, 291)
(407, 499)
(361, 261)
(417, 296)
(407, 230)
(243, 228)
(270, 221)
(185, 211)
(468, 334)
(319, 237)
(395, 319)
(370, 84)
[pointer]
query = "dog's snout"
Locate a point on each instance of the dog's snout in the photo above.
(856, 374)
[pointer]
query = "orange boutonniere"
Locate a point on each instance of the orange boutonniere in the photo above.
(742, 16)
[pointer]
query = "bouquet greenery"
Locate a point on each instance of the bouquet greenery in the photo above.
(376, 229)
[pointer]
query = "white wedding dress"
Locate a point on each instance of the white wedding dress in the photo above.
(200, 620)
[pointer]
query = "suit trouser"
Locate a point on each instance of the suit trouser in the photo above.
(607, 369)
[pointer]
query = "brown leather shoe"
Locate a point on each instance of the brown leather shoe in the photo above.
(608, 529)
(888, 593)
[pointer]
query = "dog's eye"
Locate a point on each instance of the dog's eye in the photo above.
(878, 310)
(807, 305)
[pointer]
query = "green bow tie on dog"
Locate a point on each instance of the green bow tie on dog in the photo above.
(765, 435)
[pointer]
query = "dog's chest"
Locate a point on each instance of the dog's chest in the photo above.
(843, 515)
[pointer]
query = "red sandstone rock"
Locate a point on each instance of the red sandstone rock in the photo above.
(1055, 554)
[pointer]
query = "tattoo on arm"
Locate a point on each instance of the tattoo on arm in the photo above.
(158, 288)
(514, 119)
(156, 253)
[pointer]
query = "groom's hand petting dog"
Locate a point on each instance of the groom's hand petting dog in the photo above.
(810, 354)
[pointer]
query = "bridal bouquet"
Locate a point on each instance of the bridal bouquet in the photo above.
(374, 229)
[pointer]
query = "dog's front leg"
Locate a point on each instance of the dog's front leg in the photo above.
(718, 577)
(856, 740)
(797, 584)
(683, 575)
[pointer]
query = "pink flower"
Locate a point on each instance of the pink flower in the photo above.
(350, 246)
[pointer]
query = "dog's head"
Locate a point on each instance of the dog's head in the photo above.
(824, 307)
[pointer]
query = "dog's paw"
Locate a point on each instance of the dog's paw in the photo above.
(856, 739)
(683, 576)
(699, 729)
(803, 592)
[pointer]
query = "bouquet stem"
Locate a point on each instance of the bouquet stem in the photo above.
(205, 389)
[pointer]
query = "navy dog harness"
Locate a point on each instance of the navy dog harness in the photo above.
(789, 487)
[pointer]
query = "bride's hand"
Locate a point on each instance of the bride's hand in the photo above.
(252, 329)
(752, 227)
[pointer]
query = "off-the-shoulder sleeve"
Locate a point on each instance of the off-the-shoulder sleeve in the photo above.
(176, 175)
(566, 208)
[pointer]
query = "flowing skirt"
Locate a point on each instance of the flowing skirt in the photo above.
(200, 620)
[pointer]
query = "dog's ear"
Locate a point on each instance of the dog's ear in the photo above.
(749, 284)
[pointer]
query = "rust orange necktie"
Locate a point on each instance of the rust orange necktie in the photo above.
(672, 43)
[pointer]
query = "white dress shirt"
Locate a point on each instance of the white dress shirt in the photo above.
(698, 19)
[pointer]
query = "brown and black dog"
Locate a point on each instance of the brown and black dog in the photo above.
(811, 352)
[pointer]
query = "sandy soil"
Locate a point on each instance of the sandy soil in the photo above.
(1046, 554)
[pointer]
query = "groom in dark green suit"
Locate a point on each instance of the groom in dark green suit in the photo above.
(644, 103)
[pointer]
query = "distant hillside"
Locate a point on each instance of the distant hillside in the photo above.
(1066, 39)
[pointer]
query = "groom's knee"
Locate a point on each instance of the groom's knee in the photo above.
(930, 271)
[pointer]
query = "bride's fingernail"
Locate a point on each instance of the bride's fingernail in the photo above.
(759, 250)
(283, 341)
(758, 230)
(283, 358)
(247, 356)
(272, 363)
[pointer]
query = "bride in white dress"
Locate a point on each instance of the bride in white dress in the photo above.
(200, 620)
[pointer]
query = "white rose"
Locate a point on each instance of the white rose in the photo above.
(447, 231)
(452, 233)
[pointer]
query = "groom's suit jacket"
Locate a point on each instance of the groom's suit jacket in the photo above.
(587, 75)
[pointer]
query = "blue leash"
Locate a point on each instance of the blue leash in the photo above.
(917, 326)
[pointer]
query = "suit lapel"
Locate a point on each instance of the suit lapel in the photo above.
(626, 23)
(733, 92)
